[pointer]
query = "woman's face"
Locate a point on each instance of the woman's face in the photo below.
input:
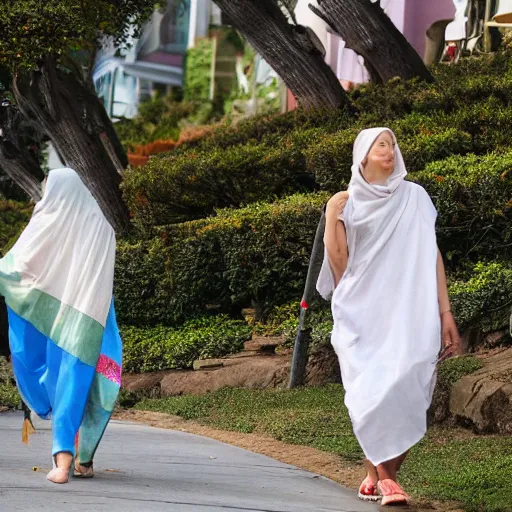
(382, 154)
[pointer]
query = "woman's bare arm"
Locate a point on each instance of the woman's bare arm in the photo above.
(451, 342)
(442, 287)
(335, 238)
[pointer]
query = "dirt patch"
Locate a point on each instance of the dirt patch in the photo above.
(349, 474)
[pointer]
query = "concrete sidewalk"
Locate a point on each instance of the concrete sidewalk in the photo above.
(141, 469)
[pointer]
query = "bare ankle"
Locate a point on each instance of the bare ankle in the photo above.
(371, 470)
(63, 460)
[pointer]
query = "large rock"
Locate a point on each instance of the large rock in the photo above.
(237, 372)
(484, 398)
(245, 370)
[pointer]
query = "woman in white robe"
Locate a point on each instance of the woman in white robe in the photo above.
(390, 307)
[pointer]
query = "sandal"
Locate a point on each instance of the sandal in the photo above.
(368, 490)
(59, 475)
(83, 470)
(392, 493)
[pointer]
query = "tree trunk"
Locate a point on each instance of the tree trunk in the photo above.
(15, 158)
(72, 116)
(367, 30)
(288, 49)
(21, 171)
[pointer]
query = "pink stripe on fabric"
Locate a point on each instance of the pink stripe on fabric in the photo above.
(109, 369)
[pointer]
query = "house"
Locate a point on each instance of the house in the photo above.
(155, 62)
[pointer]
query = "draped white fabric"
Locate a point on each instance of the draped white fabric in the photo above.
(386, 332)
(68, 227)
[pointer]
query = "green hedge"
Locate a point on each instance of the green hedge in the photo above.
(473, 198)
(13, 219)
(467, 110)
(258, 254)
(9, 396)
(422, 139)
(157, 119)
(191, 185)
(159, 348)
(470, 81)
(483, 300)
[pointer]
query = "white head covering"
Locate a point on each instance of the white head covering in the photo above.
(68, 248)
(370, 207)
(362, 146)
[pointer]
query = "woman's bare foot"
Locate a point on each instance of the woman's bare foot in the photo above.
(60, 473)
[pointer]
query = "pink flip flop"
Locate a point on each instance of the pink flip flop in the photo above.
(368, 490)
(392, 493)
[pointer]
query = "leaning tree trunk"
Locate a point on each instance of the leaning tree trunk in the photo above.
(367, 30)
(70, 114)
(288, 49)
(16, 161)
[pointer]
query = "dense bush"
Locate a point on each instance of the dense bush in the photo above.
(157, 118)
(466, 111)
(13, 218)
(159, 348)
(192, 185)
(484, 298)
(456, 87)
(422, 139)
(473, 198)
(481, 298)
(258, 254)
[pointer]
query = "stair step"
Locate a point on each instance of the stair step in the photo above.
(245, 353)
(264, 343)
(207, 364)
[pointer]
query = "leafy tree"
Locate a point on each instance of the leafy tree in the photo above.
(48, 48)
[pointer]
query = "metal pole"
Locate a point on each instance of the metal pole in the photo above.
(302, 339)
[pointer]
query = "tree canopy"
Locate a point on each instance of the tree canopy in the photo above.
(32, 29)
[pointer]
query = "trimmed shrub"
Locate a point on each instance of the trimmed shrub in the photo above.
(422, 139)
(258, 254)
(473, 198)
(142, 284)
(193, 184)
(460, 114)
(160, 348)
(483, 301)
